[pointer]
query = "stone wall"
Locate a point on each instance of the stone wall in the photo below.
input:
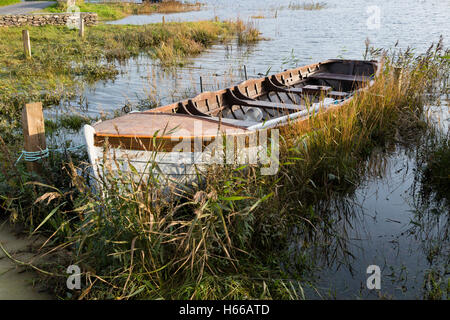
(55, 19)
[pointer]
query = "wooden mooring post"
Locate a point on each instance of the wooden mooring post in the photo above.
(81, 26)
(26, 43)
(163, 21)
(33, 132)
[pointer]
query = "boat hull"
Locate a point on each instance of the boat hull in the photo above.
(178, 142)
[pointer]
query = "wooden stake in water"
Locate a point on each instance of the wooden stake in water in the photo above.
(163, 20)
(81, 27)
(26, 43)
(33, 132)
(245, 72)
(201, 84)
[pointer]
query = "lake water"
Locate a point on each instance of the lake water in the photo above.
(378, 225)
(297, 37)
(389, 222)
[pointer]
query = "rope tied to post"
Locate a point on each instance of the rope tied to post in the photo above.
(32, 156)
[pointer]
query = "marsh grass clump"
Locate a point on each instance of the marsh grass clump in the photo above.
(92, 72)
(247, 32)
(307, 5)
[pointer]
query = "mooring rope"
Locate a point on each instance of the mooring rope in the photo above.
(32, 156)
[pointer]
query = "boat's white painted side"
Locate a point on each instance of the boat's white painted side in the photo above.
(92, 151)
(179, 167)
(171, 165)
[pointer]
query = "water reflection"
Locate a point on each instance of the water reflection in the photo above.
(393, 218)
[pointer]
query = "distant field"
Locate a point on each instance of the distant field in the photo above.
(8, 2)
(115, 11)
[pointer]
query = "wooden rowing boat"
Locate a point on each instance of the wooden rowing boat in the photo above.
(171, 139)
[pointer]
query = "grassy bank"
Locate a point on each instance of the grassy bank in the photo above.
(228, 237)
(62, 62)
(8, 2)
(115, 11)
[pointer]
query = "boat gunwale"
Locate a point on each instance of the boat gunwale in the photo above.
(163, 109)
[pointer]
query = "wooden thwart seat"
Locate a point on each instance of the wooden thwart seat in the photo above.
(273, 84)
(237, 98)
(339, 77)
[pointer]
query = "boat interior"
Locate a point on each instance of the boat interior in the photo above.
(257, 100)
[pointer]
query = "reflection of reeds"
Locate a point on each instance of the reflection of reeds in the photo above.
(436, 174)
(430, 223)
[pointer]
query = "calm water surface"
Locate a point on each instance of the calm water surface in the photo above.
(296, 37)
(379, 224)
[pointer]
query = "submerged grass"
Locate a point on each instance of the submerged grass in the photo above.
(227, 237)
(119, 10)
(71, 122)
(312, 5)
